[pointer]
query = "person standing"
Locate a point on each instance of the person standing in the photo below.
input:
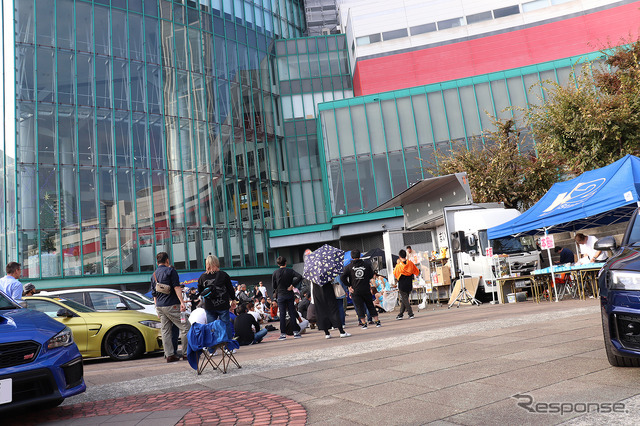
(284, 281)
(167, 296)
(9, 284)
(216, 293)
(587, 250)
(262, 289)
(404, 272)
(357, 276)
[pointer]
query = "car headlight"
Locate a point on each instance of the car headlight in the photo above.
(624, 280)
(151, 323)
(64, 338)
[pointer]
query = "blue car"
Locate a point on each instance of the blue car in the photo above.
(619, 283)
(39, 362)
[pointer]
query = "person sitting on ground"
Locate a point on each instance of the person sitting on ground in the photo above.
(247, 329)
(273, 311)
(260, 309)
(251, 309)
(304, 304)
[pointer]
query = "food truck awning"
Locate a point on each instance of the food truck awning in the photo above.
(424, 201)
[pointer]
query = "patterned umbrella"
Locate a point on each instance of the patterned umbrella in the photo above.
(323, 265)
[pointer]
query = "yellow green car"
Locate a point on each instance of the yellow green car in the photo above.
(120, 335)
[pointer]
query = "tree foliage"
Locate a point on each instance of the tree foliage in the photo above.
(498, 170)
(594, 120)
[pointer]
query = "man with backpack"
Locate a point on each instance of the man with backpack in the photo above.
(216, 292)
(167, 295)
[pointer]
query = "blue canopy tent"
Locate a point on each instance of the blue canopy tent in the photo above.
(190, 279)
(598, 197)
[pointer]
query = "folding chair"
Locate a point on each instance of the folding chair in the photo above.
(207, 358)
(204, 338)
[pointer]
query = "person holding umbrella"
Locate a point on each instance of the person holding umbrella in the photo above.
(284, 281)
(321, 267)
(357, 276)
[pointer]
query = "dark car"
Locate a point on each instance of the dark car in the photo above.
(619, 282)
(40, 364)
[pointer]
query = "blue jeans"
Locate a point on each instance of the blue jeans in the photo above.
(222, 316)
(341, 310)
(259, 335)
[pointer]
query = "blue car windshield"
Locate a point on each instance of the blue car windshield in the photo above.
(6, 302)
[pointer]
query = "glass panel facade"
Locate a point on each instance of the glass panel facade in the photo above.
(148, 126)
(396, 134)
(310, 71)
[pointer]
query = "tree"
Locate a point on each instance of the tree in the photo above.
(595, 119)
(497, 168)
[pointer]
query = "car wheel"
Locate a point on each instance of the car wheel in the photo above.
(123, 343)
(615, 360)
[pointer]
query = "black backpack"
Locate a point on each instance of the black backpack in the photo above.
(215, 291)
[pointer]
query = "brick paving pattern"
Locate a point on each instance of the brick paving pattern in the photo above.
(205, 407)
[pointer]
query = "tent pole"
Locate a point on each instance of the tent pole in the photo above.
(553, 276)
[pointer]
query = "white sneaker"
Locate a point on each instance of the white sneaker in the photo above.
(328, 336)
(345, 334)
(234, 351)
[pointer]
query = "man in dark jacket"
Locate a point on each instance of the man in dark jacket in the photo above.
(284, 281)
(168, 299)
(356, 276)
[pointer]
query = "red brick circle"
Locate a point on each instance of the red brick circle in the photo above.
(206, 407)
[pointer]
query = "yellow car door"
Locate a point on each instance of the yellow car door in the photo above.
(76, 323)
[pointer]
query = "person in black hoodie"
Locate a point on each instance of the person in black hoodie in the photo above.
(356, 276)
(284, 281)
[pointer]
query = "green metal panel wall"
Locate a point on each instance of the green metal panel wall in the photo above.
(145, 126)
(375, 146)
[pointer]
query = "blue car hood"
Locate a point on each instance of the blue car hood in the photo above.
(27, 324)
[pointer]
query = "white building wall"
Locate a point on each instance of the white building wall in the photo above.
(361, 18)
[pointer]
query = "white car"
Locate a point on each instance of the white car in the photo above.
(106, 299)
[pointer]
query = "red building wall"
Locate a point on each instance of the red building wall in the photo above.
(514, 49)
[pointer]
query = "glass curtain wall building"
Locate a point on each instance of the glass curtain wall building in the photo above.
(310, 71)
(381, 144)
(139, 126)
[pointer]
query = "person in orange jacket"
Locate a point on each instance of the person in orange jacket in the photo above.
(404, 272)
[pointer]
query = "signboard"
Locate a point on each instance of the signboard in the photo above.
(546, 242)
(489, 252)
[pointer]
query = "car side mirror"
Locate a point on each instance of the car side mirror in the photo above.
(62, 312)
(121, 307)
(606, 243)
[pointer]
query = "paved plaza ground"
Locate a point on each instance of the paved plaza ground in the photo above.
(459, 366)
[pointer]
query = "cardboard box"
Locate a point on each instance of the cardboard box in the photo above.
(443, 275)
